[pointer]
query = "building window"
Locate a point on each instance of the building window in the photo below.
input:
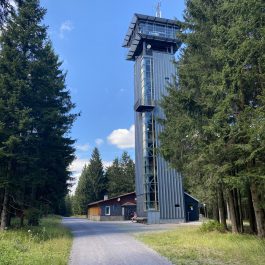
(107, 210)
(147, 80)
(160, 30)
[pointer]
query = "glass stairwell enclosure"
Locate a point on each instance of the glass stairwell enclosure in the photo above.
(149, 160)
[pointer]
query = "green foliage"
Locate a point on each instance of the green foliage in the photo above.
(214, 129)
(35, 114)
(94, 183)
(121, 176)
(91, 185)
(5, 9)
(33, 216)
(189, 246)
(49, 243)
(68, 201)
(211, 226)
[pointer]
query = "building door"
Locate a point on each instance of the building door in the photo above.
(129, 212)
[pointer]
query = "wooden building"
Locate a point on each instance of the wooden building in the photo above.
(118, 208)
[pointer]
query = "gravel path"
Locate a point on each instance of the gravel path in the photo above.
(108, 243)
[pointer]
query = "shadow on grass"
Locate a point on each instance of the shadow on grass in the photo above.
(49, 228)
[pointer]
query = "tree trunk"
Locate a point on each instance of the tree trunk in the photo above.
(228, 211)
(22, 220)
(215, 212)
(221, 205)
(236, 207)
(9, 217)
(4, 214)
(251, 213)
(237, 211)
(241, 225)
(259, 213)
(232, 212)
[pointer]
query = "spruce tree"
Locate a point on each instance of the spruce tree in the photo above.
(212, 128)
(121, 176)
(83, 193)
(5, 9)
(97, 178)
(92, 185)
(35, 117)
(115, 178)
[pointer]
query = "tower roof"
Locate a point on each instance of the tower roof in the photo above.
(135, 35)
(145, 18)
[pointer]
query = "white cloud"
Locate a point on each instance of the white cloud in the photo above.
(66, 26)
(76, 168)
(99, 141)
(83, 147)
(106, 164)
(78, 164)
(122, 138)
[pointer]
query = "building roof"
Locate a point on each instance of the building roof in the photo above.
(129, 204)
(137, 17)
(191, 197)
(113, 198)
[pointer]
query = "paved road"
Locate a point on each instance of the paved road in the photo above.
(108, 243)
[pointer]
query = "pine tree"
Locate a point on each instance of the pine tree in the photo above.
(128, 169)
(83, 193)
(212, 133)
(97, 178)
(35, 115)
(115, 178)
(121, 176)
(92, 185)
(5, 9)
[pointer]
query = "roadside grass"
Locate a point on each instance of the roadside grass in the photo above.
(79, 216)
(47, 244)
(191, 246)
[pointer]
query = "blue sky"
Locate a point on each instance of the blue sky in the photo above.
(87, 35)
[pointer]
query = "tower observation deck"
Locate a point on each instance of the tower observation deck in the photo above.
(152, 43)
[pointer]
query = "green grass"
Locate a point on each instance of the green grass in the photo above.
(79, 216)
(48, 244)
(190, 246)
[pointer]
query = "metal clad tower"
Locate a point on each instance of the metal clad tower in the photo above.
(152, 43)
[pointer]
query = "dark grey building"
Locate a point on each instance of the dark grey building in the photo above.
(117, 208)
(152, 43)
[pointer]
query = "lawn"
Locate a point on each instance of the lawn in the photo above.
(48, 244)
(190, 246)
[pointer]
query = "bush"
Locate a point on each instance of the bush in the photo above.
(211, 226)
(33, 215)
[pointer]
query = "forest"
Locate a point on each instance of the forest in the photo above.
(96, 181)
(215, 113)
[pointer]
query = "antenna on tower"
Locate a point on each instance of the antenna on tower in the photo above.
(158, 10)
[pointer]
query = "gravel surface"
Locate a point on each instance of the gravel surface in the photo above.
(111, 243)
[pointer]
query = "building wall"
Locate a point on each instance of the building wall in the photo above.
(171, 197)
(111, 218)
(191, 208)
(97, 212)
(115, 209)
(93, 213)
(170, 190)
